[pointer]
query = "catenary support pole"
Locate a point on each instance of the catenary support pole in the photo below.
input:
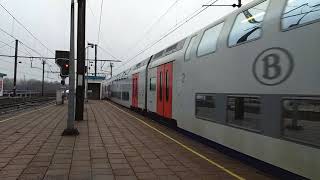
(95, 60)
(70, 130)
(42, 85)
(111, 66)
(81, 59)
(15, 69)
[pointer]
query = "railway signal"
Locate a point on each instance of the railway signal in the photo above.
(62, 60)
(65, 69)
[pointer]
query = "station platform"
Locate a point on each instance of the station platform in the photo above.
(114, 143)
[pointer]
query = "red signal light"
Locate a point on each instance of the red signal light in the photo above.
(66, 65)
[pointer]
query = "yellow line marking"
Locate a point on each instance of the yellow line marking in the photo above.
(184, 146)
(24, 114)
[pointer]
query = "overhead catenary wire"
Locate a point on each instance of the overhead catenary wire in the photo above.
(28, 53)
(21, 24)
(99, 31)
(14, 47)
(52, 58)
(41, 58)
(154, 23)
(193, 15)
(108, 52)
(22, 72)
(5, 32)
(33, 50)
(12, 36)
(5, 44)
(90, 9)
(24, 45)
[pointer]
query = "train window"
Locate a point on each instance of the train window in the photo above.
(205, 106)
(208, 43)
(158, 55)
(116, 94)
(301, 119)
(187, 55)
(153, 82)
(298, 12)
(244, 112)
(248, 24)
(125, 96)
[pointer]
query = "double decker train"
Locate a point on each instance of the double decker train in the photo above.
(248, 82)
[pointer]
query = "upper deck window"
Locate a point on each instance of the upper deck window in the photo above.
(209, 40)
(171, 48)
(158, 55)
(187, 56)
(248, 24)
(298, 12)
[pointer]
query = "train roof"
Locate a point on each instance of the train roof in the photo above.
(180, 44)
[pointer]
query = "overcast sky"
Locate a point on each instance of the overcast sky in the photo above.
(127, 28)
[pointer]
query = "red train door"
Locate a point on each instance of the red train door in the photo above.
(160, 88)
(164, 90)
(135, 78)
(168, 90)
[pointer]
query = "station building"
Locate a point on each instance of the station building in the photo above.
(94, 87)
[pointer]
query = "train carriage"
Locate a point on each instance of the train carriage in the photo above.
(247, 82)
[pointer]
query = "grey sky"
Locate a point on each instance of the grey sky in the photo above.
(127, 27)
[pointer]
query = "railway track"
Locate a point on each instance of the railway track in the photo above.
(10, 105)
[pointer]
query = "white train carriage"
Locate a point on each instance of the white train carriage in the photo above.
(139, 85)
(247, 82)
(118, 88)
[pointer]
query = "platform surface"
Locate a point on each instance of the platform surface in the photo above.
(114, 143)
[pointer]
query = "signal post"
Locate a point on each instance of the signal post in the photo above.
(65, 60)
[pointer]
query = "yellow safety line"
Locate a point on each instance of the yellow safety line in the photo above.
(24, 114)
(184, 146)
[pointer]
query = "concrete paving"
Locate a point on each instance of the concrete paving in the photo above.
(114, 143)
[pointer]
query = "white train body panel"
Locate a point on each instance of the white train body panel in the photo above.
(141, 85)
(277, 66)
(152, 95)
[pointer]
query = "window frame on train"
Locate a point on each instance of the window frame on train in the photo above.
(218, 25)
(190, 45)
(262, 23)
(295, 125)
(297, 26)
(259, 128)
(125, 96)
(153, 86)
(208, 118)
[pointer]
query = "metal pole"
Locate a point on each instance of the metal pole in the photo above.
(81, 59)
(95, 60)
(15, 69)
(42, 86)
(71, 101)
(111, 66)
(86, 87)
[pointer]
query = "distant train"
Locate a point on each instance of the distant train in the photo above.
(249, 82)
